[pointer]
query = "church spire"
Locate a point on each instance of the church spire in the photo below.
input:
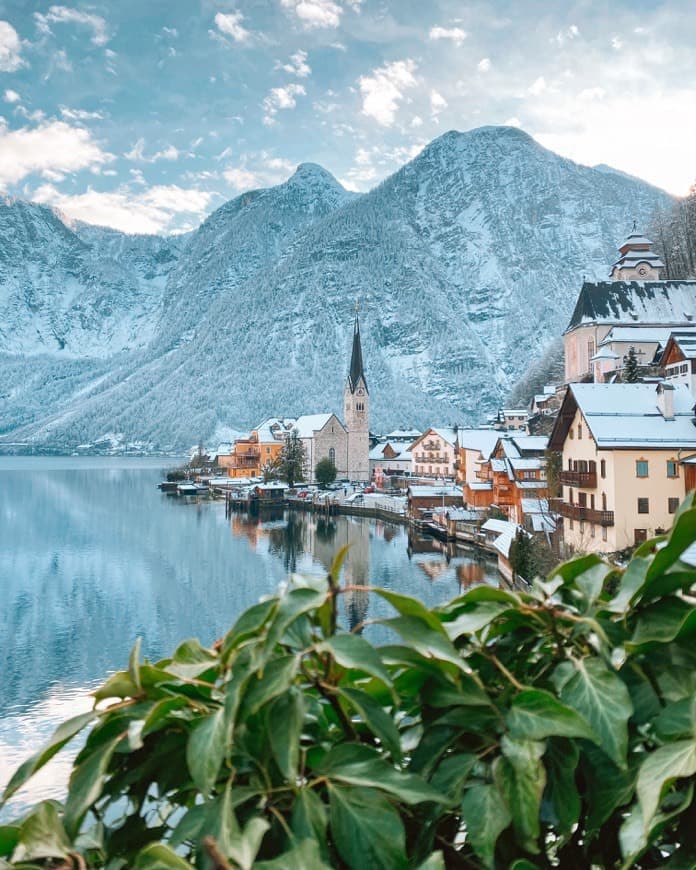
(356, 360)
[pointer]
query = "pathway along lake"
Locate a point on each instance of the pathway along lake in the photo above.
(92, 556)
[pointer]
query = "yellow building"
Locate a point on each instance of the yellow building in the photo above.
(621, 475)
(263, 446)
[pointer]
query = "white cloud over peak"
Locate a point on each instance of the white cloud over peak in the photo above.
(315, 14)
(264, 171)
(50, 148)
(80, 114)
(484, 64)
(454, 34)
(383, 89)
(281, 98)
(11, 96)
(10, 48)
(230, 23)
(65, 15)
(152, 210)
(137, 153)
(437, 103)
(297, 65)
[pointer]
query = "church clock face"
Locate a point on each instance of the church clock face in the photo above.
(361, 392)
(642, 270)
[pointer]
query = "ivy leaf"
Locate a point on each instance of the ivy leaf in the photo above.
(521, 777)
(134, 664)
(377, 720)
(352, 651)
(603, 700)
(275, 679)
(284, 723)
(62, 735)
(474, 617)
(42, 835)
(408, 606)
(367, 830)
(360, 765)
(160, 715)
(157, 856)
(435, 861)
(309, 817)
(486, 816)
(248, 626)
(303, 856)
(664, 621)
(561, 797)
(205, 750)
(675, 720)
(86, 784)
(9, 837)
(244, 848)
(660, 768)
(536, 714)
(424, 640)
(119, 685)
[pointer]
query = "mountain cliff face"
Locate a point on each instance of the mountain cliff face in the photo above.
(466, 263)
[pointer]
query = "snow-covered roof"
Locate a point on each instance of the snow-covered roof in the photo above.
(462, 514)
(480, 486)
(529, 464)
(447, 433)
(408, 435)
(534, 505)
(498, 465)
(506, 534)
(639, 334)
(542, 523)
(646, 302)
(429, 491)
(515, 412)
(496, 525)
(627, 415)
(308, 424)
(686, 342)
(274, 429)
(483, 440)
(605, 353)
(530, 484)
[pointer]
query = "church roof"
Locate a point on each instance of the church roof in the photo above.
(640, 302)
(357, 370)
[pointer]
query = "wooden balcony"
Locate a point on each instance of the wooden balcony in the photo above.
(576, 512)
(583, 479)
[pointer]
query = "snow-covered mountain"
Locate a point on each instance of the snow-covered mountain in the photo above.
(466, 263)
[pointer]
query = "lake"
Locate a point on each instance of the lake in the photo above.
(93, 556)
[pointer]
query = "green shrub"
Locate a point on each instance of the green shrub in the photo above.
(555, 728)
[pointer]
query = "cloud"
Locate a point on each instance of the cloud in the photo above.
(152, 210)
(537, 87)
(10, 48)
(281, 98)
(80, 115)
(484, 64)
(64, 15)
(315, 14)
(454, 34)
(52, 147)
(137, 153)
(383, 90)
(297, 66)
(437, 103)
(11, 96)
(264, 171)
(230, 24)
(373, 163)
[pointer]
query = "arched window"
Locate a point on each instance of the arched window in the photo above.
(332, 455)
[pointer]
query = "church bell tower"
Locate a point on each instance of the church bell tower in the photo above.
(356, 405)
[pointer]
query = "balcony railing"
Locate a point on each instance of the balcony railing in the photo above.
(577, 512)
(587, 479)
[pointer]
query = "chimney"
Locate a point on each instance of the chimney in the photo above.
(665, 400)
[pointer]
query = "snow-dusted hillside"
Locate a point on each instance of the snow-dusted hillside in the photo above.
(466, 262)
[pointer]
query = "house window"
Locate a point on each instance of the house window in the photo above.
(579, 431)
(570, 525)
(582, 527)
(672, 505)
(332, 455)
(640, 535)
(643, 506)
(592, 530)
(603, 467)
(592, 501)
(571, 433)
(604, 501)
(641, 468)
(268, 450)
(570, 464)
(672, 468)
(604, 533)
(582, 499)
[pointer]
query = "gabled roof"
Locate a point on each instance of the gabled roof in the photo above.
(642, 302)
(685, 341)
(308, 424)
(483, 440)
(627, 416)
(448, 434)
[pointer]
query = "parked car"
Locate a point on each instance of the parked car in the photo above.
(369, 489)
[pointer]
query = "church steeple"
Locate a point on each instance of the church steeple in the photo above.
(356, 360)
(637, 261)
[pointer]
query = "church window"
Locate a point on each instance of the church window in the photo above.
(332, 453)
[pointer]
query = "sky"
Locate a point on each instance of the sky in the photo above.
(146, 115)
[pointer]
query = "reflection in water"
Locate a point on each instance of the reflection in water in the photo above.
(93, 556)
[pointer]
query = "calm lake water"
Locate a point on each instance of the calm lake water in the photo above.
(92, 556)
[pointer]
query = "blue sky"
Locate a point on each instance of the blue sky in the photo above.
(147, 114)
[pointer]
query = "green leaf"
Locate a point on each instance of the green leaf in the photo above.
(205, 750)
(474, 617)
(603, 700)
(683, 534)
(360, 765)
(248, 625)
(9, 837)
(521, 778)
(284, 723)
(134, 665)
(245, 846)
(608, 788)
(675, 720)
(486, 817)
(535, 714)
(376, 718)
(591, 581)
(306, 855)
(86, 784)
(367, 830)
(309, 817)
(464, 693)
(435, 861)
(424, 640)
(157, 856)
(62, 735)
(561, 802)
(452, 773)
(42, 835)
(275, 679)
(160, 715)
(408, 606)
(119, 685)
(659, 770)
(352, 651)
(632, 581)
(664, 621)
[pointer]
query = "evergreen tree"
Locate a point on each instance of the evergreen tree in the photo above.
(325, 472)
(630, 372)
(522, 556)
(293, 458)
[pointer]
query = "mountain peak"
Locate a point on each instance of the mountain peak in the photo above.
(313, 174)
